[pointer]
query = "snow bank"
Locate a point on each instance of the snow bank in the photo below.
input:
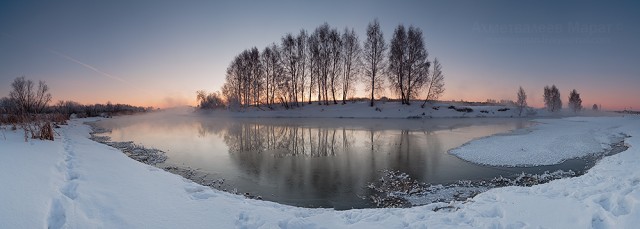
(551, 142)
(395, 110)
(380, 110)
(29, 172)
(74, 182)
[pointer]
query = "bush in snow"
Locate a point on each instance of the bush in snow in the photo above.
(398, 189)
(392, 187)
(464, 109)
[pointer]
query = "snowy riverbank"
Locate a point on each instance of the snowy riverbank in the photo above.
(389, 110)
(74, 182)
(551, 142)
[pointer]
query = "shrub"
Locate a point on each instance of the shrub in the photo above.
(46, 132)
(465, 109)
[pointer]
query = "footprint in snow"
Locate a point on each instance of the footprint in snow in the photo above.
(57, 216)
(199, 192)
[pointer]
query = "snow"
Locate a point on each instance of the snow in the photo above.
(551, 142)
(363, 110)
(392, 109)
(74, 182)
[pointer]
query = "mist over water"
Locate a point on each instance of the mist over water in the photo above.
(311, 162)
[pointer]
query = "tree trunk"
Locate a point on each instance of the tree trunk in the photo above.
(372, 88)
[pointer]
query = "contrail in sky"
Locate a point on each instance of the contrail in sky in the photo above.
(86, 65)
(97, 70)
(92, 68)
(74, 60)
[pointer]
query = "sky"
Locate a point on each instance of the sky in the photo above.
(159, 53)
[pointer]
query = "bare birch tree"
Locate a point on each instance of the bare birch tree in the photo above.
(522, 101)
(575, 102)
(397, 62)
(373, 57)
(435, 87)
(417, 65)
(351, 58)
(301, 44)
(335, 60)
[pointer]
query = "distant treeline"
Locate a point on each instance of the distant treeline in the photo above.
(28, 106)
(629, 112)
(67, 108)
(94, 110)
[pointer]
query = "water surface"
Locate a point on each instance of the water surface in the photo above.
(315, 162)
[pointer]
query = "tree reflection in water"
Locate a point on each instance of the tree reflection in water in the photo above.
(312, 162)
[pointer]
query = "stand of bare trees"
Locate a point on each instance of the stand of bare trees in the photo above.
(328, 63)
(552, 99)
(408, 65)
(209, 101)
(28, 100)
(325, 62)
(25, 106)
(273, 72)
(244, 78)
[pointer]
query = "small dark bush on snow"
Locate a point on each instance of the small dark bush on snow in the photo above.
(466, 109)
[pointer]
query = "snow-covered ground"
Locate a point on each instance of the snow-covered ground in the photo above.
(551, 142)
(74, 182)
(397, 110)
(380, 110)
